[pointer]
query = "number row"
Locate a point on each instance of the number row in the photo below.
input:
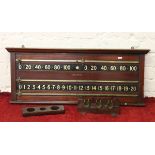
(78, 67)
(78, 87)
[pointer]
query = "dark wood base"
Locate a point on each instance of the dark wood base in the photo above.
(66, 103)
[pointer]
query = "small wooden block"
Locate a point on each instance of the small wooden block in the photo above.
(44, 110)
(106, 106)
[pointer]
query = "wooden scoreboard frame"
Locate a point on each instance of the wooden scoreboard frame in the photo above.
(62, 76)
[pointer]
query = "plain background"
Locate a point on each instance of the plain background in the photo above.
(77, 16)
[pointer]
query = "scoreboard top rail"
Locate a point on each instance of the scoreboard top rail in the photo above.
(91, 51)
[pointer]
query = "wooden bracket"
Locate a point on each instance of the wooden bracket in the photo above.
(46, 110)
